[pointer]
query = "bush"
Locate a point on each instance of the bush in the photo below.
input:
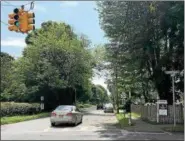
(13, 109)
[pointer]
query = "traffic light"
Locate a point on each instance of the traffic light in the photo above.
(14, 20)
(31, 21)
(26, 22)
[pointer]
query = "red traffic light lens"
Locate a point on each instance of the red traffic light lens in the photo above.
(16, 17)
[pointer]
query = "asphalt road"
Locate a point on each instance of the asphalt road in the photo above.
(96, 126)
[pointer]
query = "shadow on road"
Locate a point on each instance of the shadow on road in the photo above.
(97, 114)
(111, 131)
(65, 126)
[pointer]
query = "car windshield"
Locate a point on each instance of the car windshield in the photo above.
(64, 108)
(109, 105)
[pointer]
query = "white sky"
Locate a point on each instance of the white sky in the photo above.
(99, 78)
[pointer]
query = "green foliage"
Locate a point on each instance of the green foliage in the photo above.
(56, 64)
(123, 121)
(146, 37)
(15, 119)
(12, 109)
(6, 68)
(99, 94)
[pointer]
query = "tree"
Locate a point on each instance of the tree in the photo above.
(55, 64)
(150, 35)
(6, 66)
(99, 94)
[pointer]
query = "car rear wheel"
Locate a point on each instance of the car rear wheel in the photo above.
(75, 122)
(52, 124)
(81, 120)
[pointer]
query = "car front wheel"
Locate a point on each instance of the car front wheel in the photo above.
(81, 120)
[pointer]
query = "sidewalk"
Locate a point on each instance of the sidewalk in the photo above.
(142, 126)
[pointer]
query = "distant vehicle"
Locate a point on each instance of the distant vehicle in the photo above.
(69, 114)
(108, 108)
(99, 106)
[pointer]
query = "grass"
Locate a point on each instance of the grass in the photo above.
(123, 120)
(178, 128)
(135, 115)
(15, 119)
(86, 105)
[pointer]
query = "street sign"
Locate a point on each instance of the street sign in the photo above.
(123, 95)
(162, 101)
(171, 72)
(42, 106)
(162, 107)
(42, 98)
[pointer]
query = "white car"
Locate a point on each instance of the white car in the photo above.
(108, 108)
(66, 114)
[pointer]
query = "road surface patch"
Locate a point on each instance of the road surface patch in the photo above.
(47, 129)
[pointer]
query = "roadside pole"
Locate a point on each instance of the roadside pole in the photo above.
(130, 117)
(174, 110)
(172, 73)
(42, 103)
(123, 107)
(75, 96)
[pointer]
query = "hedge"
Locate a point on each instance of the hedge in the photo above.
(13, 109)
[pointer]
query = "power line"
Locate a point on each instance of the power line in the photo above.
(9, 3)
(29, 3)
(4, 23)
(6, 5)
(17, 5)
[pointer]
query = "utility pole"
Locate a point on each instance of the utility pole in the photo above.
(174, 110)
(75, 96)
(130, 117)
(42, 103)
(117, 103)
(172, 73)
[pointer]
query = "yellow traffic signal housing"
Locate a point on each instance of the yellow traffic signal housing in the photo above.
(21, 21)
(31, 21)
(14, 21)
(26, 21)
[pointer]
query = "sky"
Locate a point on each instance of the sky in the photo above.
(81, 15)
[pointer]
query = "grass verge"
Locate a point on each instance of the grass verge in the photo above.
(178, 128)
(123, 120)
(15, 119)
(135, 115)
(87, 105)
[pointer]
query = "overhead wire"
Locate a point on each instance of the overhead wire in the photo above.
(4, 23)
(6, 5)
(9, 4)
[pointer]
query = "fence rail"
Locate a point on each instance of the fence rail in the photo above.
(149, 113)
